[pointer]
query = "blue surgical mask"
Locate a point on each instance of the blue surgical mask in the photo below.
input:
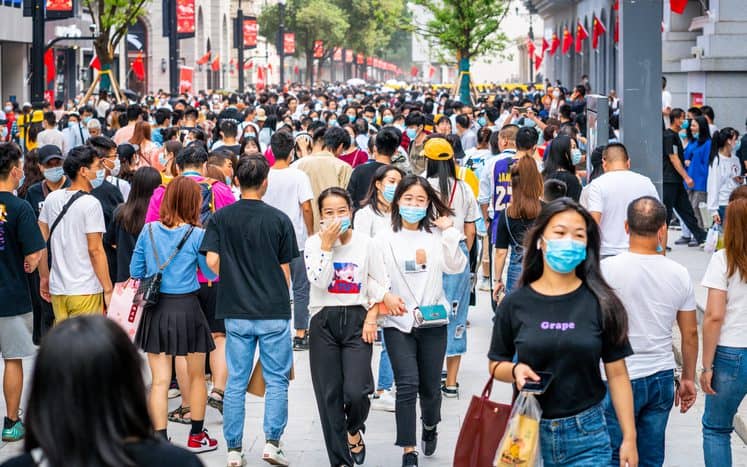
(685, 125)
(387, 119)
(72, 124)
(481, 121)
(412, 133)
(163, 159)
(22, 179)
(86, 120)
(100, 175)
(117, 167)
(228, 180)
(352, 141)
(413, 214)
(351, 118)
(683, 134)
(564, 255)
(738, 146)
(388, 192)
(344, 224)
(54, 174)
(575, 156)
(529, 123)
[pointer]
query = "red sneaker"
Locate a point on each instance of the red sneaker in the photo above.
(201, 442)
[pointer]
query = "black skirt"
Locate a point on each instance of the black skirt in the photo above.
(174, 326)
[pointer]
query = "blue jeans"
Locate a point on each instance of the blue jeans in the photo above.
(276, 356)
(386, 376)
(653, 398)
(514, 270)
(578, 441)
(457, 290)
(730, 383)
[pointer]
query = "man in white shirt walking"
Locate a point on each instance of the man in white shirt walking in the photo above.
(607, 198)
(656, 291)
(50, 134)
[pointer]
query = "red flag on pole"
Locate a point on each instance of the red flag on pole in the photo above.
(530, 47)
(678, 6)
(215, 66)
(616, 5)
(555, 44)
(95, 63)
(248, 65)
(567, 41)
(597, 31)
(49, 65)
(138, 67)
(204, 59)
(545, 46)
(537, 62)
(617, 31)
(414, 71)
(581, 36)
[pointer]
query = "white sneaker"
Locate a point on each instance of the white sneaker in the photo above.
(274, 455)
(384, 402)
(174, 392)
(235, 459)
(485, 284)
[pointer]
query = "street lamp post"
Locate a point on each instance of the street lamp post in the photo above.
(173, 50)
(240, 26)
(531, 59)
(281, 41)
(37, 54)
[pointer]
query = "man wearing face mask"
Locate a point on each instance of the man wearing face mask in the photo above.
(72, 222)
(75, 134)
(416, 134)
(608, 196)
(50, 134)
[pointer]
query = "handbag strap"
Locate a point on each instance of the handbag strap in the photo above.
(402, 276)
(176, 250)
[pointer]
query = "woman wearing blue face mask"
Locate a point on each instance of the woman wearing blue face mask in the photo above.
(374, 216)
(420, 248)
(343, 325)
(563, 320)
(561, 157)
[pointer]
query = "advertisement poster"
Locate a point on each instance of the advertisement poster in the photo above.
(318, 49)
(250, 32)
(185, 18)
(59, 9)
(186, 76)
(289, 43)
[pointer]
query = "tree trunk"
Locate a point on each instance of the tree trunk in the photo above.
(464, 78)
(309, 79)
(106, 56)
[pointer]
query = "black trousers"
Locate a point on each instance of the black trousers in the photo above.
(675, 198)
(42, 309)
(417, 359)
(341, 375)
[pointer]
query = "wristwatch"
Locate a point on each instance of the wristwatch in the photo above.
(706, 370)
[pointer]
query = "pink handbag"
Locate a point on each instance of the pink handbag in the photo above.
(124, 309)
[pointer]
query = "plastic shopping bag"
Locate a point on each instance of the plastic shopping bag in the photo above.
(520, 444)
(124, 309)
(711, 242)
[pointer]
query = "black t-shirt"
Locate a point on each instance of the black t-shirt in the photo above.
(511, 234)
(672, 141)
(110, 197)
(573, 186)
(360, 181)
(234, 148)
(125, 242)
(38, 192)
(19, 236)
(253, 239)
(742, 153)
(562, 335)
(150, 453)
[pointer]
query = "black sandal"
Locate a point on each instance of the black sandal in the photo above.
(178, 415)
(360, 456)
(214, 402)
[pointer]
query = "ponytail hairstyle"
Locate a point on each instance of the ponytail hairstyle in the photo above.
(720, 138)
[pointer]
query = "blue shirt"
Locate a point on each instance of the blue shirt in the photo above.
(698, 154)
(180, 276)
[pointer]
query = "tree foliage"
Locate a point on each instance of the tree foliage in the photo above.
(112, 19)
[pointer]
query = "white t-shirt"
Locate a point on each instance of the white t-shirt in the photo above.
(464, 203)
(720, 182)
(72, 272)
(734, 329)
(610, 195)
(287, 190)
(367, 222)
(653, 289)
(123, 185)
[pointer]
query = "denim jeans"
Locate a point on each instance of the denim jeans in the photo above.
(386, 376)
(456, 290)
(514, 270)
(730, 383)
(300, 293)
(653, 398)
(578, 441)
(276, 355)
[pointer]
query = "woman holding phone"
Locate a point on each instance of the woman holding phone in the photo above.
(562, 320)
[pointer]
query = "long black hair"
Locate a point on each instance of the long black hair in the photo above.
(436, 208)
(720, 137)
(615, 318)
(131, 215)
(372, 197)
(445, 171)
(704, 132)
(558, 156)
(87, 374)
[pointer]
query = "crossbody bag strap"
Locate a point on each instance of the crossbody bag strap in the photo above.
(73, 199)
(179, 246)
(453, 192)
(514, 243)
(402, 276)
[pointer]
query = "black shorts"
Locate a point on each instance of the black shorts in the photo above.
(208, 297)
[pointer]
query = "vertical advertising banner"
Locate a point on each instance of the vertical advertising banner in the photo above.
(59, 9)
(337, 55)
(186, 75)
(249, 29)
(289, 43)
(185, 18)
(359, 59)
(348, 56)
(318, 49)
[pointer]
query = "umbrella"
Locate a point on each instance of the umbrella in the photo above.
(356, 82)
(130, 94)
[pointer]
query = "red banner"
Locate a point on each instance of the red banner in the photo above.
(369, 61)
(289, 43)
(318, 49)
(185, 79)
(359, 59)
(337, 54)
(348, 56)
(250, 32)
(59, 9)
(185, 18)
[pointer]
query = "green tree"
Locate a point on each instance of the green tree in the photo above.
(112, 19)
(466, 28)
(311, 20)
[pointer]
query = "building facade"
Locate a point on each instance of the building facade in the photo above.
(15, 40)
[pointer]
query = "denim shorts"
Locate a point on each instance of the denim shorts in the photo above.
(457, 290)
(581, 440)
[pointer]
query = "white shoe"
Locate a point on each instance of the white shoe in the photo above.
(174, 392)
(235, 459)
(485, 284)
(274, 455)
(384, 402)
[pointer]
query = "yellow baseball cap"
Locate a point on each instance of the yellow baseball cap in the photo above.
(438, 149)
